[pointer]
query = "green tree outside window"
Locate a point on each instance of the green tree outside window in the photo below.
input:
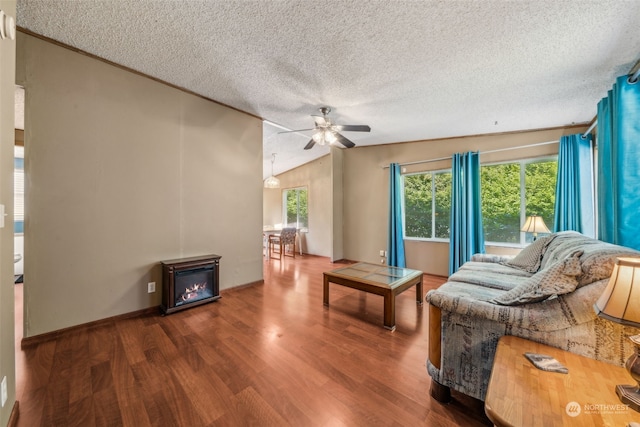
(296, 204)
(510, 192)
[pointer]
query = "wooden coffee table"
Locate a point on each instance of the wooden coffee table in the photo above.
(376, 279)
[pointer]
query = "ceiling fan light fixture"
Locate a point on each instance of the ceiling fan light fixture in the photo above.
(330, 137)
(325, 132)
(318, 137)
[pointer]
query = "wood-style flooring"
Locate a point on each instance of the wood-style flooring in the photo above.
(263, 355)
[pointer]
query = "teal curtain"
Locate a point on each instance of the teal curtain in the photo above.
(466, 236)
(618, 141)
(574, 209)
(395, 250)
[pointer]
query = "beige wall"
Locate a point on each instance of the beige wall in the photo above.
(337, 204)
(121, 173)
(7, 322)
(272, 207)
(317, 177)
(366, 189)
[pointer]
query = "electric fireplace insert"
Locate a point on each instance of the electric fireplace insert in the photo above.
(189, 282)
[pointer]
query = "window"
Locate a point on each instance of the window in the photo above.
(427, 205)
(295, 207)
(511, 192)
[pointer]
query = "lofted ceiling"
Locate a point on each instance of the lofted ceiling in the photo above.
(411, 70)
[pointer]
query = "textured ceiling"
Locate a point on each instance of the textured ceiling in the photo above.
(410, 69)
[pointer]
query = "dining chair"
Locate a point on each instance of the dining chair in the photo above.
(278, 243)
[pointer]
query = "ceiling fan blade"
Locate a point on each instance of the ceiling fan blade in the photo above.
(310, 144)
(299, 130)
(352, 128)
(320, 120)
(344, 141)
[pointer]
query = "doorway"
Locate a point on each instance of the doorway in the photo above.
(18, 234)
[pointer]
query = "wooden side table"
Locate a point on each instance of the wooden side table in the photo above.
(519, 394)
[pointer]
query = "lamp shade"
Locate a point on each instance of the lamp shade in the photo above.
(534, 224)
(272, 182)
(620, 301)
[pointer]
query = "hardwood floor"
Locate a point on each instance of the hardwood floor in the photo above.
(268, 354)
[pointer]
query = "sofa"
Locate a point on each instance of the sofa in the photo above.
(546, 294)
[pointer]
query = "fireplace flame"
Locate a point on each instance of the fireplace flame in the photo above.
(192, 291)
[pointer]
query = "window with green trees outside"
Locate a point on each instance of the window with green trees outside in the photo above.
(513, 191)
(427, 205)
(295, 207)
(510, 192)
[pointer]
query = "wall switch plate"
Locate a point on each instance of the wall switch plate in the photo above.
(382, 253)
(3, 390)
(151, 287)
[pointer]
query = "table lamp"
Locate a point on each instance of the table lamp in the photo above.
(620, 303)
(535, 224)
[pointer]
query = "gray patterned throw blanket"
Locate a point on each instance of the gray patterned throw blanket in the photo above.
(471, 323)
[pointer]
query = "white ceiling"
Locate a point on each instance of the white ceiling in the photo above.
(410, 69)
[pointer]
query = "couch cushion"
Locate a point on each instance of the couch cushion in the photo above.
(489, 275)
(490, 258)
(558, 279)
(598, 258)
(448, 295)
(552, 314)
(530, 258)
(492, 267)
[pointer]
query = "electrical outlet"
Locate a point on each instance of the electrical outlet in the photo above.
(382, 252)
(3, 390)
(151, 287)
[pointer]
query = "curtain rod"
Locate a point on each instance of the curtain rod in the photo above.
(595, 122)
(497, 150)
(634, 78)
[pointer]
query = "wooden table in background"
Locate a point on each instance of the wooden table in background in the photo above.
(519, 394)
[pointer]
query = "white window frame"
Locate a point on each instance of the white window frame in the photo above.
(433, 173)
(284, 207)
(523, 204)
(522, 162)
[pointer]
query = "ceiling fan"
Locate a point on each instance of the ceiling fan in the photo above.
(326, 132)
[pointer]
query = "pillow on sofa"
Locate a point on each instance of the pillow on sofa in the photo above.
(558, 279)
(529, 258)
